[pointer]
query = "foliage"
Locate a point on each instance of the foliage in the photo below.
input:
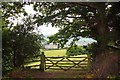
(76, 50)
(6, 50)
(19, 42)
(24, 46)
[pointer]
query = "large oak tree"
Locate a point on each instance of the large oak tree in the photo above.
(99, 21)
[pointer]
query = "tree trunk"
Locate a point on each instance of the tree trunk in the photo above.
(18, 59)
(106, 60)
(106, 65)
(102, 30)
(14, 60)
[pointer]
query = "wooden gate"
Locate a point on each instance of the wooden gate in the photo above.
(67, 63)
(64, 63)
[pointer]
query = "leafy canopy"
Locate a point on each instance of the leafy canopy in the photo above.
(76, 19)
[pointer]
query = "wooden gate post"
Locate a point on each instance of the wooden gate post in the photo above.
(42, 65)
(89, 61)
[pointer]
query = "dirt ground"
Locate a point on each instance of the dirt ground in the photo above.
(46, 74)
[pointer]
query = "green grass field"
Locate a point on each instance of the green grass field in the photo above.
(55, 53)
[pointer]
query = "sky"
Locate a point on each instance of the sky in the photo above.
(44, 29)
(48, 30)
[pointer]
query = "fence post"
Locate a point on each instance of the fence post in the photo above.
(89, 61)
(42, 65)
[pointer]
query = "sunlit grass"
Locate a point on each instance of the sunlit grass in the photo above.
(55, 53)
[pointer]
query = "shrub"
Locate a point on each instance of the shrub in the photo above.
(76, 50)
